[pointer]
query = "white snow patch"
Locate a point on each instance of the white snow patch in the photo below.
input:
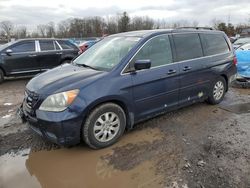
(6, 116)
(7, 104)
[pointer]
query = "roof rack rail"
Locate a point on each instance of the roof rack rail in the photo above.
(197, 28)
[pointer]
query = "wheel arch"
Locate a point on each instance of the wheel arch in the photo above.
(119, 102)
(2, 69)
(226, 79)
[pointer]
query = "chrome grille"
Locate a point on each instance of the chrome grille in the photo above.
(30, 101)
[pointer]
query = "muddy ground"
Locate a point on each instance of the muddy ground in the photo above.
(198, 146)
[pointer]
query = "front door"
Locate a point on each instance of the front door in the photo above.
(23, 58)
(155, 89)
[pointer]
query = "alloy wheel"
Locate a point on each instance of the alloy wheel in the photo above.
(218, 90)
(106, 127)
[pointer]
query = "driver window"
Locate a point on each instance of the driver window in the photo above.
(24, 47)
(158, 50)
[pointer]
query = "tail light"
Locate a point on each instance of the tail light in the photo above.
(235, 61)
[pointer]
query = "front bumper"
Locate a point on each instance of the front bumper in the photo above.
(62, 128)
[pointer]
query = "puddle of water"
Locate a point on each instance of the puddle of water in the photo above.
(78, 167)
(13, 172)
(144, 135)
(237, 108)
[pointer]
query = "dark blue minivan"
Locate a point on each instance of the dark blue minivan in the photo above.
(126, 78)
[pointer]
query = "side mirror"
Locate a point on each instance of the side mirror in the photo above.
(8, 52)
(142, 64)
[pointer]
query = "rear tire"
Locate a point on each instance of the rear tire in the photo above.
(217, 91)
(1, 76)
(104, 126)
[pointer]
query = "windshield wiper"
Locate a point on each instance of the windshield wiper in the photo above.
(87, 66)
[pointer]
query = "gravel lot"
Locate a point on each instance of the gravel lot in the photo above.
(197, 146)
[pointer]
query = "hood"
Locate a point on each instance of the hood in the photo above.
(62, 78)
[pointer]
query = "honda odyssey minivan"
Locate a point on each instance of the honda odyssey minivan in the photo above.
(127, 78)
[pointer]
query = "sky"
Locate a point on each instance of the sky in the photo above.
(34, 12)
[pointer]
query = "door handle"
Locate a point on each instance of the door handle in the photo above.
(32, 55)
(187, 68)
(59, 53)
(171, 71)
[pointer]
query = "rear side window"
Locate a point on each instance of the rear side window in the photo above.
(214, 44)
(47, 45)
(188, 46)
(66, 45)
(28, 46)
(158, 50)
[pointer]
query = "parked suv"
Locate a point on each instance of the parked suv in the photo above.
(31, 56)
(127, 78)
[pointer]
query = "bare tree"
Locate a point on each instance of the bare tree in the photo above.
(111, 25)
(97, 26)
(7, 28)
(63, 28)
(20, 32)
(215, 23)
(78, 28)
(162, 24)
(41, 30)
(240, 27)
(34, 34)
(141, 23)
(50, 29)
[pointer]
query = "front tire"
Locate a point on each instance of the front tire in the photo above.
(217, 91)
(1, 76)
(104, 126)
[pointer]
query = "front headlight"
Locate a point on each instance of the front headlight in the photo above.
(59, 101)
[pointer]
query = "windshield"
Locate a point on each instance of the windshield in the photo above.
(107, 53)
(242, 41)
(5, 45)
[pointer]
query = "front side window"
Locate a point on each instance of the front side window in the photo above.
(28, 46)
(47, 45)
(188, 46)
(157, 50)
(107, 53)
(215, 44)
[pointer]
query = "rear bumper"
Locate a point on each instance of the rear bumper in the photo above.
(60, 128)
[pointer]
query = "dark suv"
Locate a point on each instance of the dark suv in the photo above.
(127, 78)
(30, 56)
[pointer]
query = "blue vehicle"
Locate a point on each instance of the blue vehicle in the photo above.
(243, 65)
(127, 78)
